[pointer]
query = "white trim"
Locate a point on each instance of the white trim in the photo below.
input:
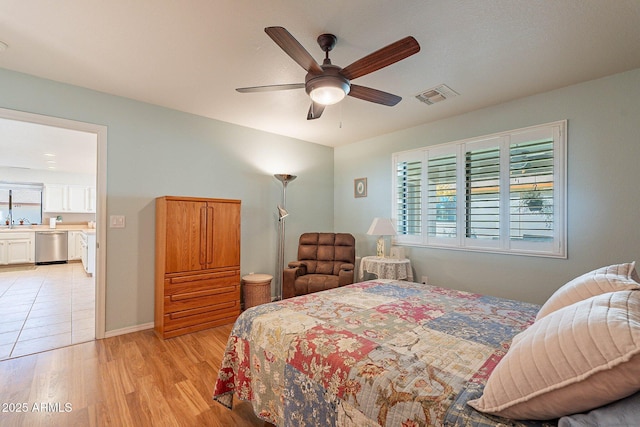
(128, 330)
(101, 198)
(101, 234)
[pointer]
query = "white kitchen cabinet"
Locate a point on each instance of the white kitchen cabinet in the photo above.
(74, 247)
(54, 198)
(91, 199)
(88, 255)
(69, 198)
(17, 248)
(77, 199)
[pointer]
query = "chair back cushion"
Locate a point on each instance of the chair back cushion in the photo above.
(324, 253)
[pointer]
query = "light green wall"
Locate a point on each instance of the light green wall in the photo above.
(603, 187)
(154, 151)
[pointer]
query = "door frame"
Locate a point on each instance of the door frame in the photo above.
(101, 197)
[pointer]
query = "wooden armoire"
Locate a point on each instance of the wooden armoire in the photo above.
(197, 271)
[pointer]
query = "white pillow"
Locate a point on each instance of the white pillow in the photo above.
(575, 359)
(618, 277)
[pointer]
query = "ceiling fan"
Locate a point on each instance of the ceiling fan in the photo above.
(328, 84)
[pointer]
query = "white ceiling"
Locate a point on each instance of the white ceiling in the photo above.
(190, 56)
(26, 145)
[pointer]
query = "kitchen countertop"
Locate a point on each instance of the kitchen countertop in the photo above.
(70, 227)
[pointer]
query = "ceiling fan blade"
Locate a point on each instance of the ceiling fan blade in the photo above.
(315, 111)
(381, 58)
(374, 95)
(293, 48)
(270, 88)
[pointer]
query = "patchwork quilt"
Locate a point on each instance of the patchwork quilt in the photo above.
(381, 352)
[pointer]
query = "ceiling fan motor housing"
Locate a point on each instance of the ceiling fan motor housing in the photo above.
(330, 79)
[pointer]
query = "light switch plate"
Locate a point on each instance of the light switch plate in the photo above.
(116, 221)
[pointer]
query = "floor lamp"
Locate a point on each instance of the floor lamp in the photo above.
(282, 214)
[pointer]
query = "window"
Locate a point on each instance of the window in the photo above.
(500, 193)
(24, 201)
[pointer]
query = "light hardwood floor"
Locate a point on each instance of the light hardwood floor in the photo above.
(128, 380)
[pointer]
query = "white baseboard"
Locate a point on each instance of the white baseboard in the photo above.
(128, 330)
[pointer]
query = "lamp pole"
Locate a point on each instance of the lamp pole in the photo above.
(282, 213)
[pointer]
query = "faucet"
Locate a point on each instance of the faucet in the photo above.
(10, 210)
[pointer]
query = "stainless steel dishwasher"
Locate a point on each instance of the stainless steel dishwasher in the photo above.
(51, 246)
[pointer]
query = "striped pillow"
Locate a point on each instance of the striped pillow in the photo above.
(619, 277)
(575, 359)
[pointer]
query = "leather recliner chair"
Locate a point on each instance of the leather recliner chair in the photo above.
(325, 261)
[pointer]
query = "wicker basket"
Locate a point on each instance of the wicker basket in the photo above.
(256, 289)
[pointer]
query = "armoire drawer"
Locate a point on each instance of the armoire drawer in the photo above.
(201, 282)
(201, 315)
(201, 297)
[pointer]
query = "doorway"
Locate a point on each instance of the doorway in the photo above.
(74, 270)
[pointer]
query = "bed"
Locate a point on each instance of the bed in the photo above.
(373, 353)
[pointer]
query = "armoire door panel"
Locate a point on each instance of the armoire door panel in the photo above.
(184, 236)
(225, 242)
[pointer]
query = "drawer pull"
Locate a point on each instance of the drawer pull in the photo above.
(198, 294)
(199, 277)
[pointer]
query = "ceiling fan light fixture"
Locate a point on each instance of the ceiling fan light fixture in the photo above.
(327, 95)
(327, 89)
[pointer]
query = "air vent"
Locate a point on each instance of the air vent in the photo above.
(436, 94)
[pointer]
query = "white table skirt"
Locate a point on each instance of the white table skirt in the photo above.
(386, 268)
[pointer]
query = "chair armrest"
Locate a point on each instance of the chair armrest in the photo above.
(289, 276)
(346, 267)
(299, 264)
(345, 275)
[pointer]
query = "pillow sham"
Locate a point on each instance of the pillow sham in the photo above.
(618, 277)
(625, 412)
(575, 359)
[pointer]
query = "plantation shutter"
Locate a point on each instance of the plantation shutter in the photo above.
(531, 176)
(408, 198)
(501, 193)
(482, 192)
(442, 193)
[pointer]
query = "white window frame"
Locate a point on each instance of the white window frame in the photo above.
(556, 248)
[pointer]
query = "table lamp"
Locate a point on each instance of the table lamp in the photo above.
(381, 227)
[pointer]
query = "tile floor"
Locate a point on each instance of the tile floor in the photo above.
(45, 307)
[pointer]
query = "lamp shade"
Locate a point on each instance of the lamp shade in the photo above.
(285, 178)
(282, 212)
(382, 227)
